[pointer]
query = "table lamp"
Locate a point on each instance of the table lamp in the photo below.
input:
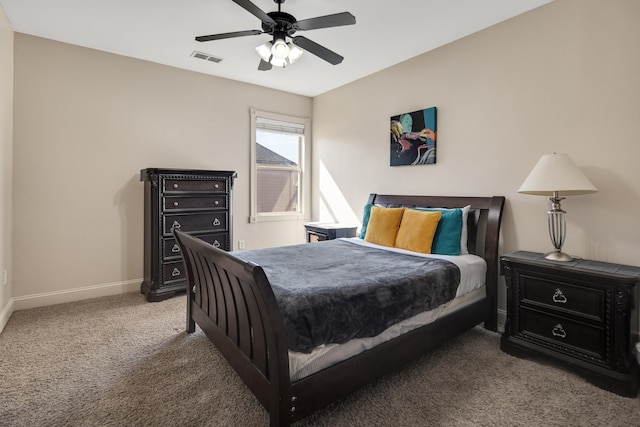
(555, 176)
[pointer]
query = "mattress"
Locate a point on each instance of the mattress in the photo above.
(471, 288)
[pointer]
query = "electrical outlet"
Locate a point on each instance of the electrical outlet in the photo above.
(5, 277)
(240, 244)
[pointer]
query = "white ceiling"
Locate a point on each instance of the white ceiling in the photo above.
(386, 32)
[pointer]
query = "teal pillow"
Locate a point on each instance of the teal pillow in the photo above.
(447, 238)
(365, 220)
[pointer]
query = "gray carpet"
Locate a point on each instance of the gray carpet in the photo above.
(120, 361)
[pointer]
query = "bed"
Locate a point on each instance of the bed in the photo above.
(233, 301)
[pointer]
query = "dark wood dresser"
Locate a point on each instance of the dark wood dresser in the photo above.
(579, 313)
(195, 201)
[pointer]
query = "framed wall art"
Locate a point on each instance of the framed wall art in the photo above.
(413, 138)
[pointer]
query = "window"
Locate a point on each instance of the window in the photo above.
(278, 157)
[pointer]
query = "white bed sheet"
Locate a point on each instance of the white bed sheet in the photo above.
(471, 288)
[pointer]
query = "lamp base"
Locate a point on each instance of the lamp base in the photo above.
(558, 256)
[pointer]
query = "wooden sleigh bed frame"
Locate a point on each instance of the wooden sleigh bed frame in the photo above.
(232, 302)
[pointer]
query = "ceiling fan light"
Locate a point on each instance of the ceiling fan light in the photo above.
(278, 62)
(294, 53)
(264, 50)
(280, 49)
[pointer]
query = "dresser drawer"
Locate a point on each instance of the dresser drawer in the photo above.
(172, 271)
(176, 203)
(578, 300)
(576, 336)
(211, 221)
(171, 249)
(195, 186)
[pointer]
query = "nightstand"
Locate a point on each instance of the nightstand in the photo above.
(318, 231)
(579, 313)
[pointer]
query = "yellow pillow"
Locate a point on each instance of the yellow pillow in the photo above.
(383, 225)
(417, 230)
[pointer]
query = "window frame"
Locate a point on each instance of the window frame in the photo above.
(304, 185)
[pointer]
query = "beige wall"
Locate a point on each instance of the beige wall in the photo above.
(86, 122)
(6, 161)
(561, 78)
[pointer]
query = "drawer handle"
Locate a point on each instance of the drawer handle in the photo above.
(217, 202)
(559, 297)
(176, 224)
(175, 272)
(175, 203)
(216, 244)
(175, 249)
(175, 185)
(558, 331)
(216, 222)
(216, 186)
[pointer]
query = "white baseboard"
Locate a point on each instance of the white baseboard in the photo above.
(6, 314)
(66, 295)
(502, 318)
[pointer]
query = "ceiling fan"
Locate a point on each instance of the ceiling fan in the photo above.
(281, 25)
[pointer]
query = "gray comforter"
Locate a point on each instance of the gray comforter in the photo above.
(334, 291)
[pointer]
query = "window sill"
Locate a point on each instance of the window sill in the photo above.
(276, 217)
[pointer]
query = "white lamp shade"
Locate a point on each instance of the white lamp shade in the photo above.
(294, 53)
(264, 50)
(556, 173)
(279, 62)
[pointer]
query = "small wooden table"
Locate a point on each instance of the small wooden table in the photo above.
(319, 231)
(579, 313)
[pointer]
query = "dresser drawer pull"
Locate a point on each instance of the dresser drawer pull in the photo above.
(559, 297)
(175, 203)
(217, 186)
(175, 224)
(175, 249)
(175, 185)
(558, 331)
(217, 202)
(216, 244)
(216, 222)
(175, 272)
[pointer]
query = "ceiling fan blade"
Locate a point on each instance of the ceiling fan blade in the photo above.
(228, 35)
(316, 49)
(256, 11)
(264, 65)
(335, 20)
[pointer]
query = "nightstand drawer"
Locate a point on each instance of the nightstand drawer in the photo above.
(578, 300)
(584, 338)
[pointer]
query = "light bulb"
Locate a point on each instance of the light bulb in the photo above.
(280, 49)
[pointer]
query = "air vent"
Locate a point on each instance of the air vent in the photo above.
(205, 56)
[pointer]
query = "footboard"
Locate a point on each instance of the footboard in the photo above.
(232, 302)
